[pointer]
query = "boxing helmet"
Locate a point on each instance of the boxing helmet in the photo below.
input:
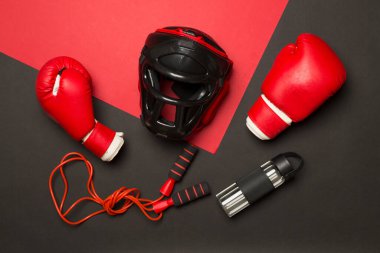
(182, 74)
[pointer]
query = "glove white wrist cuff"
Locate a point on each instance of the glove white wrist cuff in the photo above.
(103, 142)
(255, 130)
(266, 120)
(114, 148)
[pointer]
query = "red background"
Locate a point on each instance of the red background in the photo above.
(107, 36)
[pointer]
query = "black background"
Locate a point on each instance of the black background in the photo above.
(332, 206)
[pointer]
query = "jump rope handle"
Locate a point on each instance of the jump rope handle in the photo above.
(191, 193)
(183, 197)
(178, 169)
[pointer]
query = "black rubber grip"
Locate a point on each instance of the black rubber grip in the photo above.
(255, 185)
(183, 162)
(191, 193)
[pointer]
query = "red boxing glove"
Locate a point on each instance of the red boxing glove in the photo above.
(64, 90)
(302, 77)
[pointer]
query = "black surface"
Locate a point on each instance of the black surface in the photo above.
(331, 206)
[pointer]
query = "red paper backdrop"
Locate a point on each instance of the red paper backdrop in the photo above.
(107, 36)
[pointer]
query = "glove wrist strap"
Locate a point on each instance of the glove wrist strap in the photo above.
(265, 120)
(103, 142)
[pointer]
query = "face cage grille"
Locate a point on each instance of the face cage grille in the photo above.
(184, 117)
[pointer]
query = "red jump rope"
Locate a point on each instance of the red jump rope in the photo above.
(125, 197)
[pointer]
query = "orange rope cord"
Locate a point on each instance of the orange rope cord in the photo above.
(129, 196)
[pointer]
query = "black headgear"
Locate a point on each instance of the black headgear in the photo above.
(181, 68)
